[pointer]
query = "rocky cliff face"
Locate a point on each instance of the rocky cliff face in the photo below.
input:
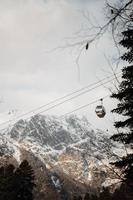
(68, 146)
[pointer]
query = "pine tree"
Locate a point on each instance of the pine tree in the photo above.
(105, 194)
(125, 107)
(25, 179)
(87, 196)
(16, 184)
(7, 186)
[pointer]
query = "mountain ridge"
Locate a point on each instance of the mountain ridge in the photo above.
(70, 145)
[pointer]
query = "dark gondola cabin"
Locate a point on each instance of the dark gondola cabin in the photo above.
(100, 110)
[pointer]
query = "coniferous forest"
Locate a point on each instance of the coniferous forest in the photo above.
(16, 183)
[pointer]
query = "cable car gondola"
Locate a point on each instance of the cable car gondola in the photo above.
(100, 110)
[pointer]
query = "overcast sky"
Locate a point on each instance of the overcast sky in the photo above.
(32, 73)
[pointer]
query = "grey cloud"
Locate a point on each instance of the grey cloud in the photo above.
(29, 75)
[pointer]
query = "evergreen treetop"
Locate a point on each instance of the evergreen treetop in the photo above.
(125, 106)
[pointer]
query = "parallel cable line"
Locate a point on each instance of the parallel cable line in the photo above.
(67, 95)
(62, 116)
(62, 102)
(87, 91)
(66, 100)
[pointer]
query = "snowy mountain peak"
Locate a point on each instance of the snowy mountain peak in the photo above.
(61, 143)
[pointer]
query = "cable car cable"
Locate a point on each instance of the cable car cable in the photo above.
(58, 104)
(79, 108)
(69, 94)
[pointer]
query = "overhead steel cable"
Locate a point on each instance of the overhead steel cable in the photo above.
(70, 94)
(98, 84)
(62, 116)
(73, 97)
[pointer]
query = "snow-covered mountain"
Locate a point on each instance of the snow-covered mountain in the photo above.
(69, 145)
